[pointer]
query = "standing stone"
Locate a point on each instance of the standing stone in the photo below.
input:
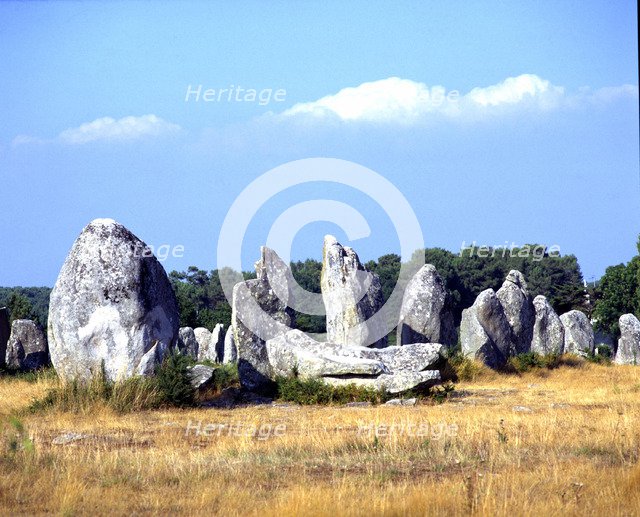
(258, 314)
(112, 307)
(187, 342)
(548, 330)
(485, 333)
(351, 295)
(203, 337)
(629, 342)
(424, 316)
(578, 333)
(230, 354)
(27, 347)
(5, 332)
(519, 310)
(213, 349)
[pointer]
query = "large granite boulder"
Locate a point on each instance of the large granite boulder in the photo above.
(629, 342)
(519, 310)
(352, 296)
(213, 349)
(230, 354)
(424, 315)
(27, 347)
(187, 342)
(485, 333)
(578, 333)
(258, 314)
(112, 306)
(395, 369)
(548, 330)
(5, 332)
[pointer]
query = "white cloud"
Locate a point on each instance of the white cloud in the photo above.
(514, 90)
(396, 100)
(126, 128)
(391, 99)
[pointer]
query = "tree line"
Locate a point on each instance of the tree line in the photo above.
(202, 302)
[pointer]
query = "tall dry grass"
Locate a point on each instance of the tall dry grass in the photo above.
(560, 442)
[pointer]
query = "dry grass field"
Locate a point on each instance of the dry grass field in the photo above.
(558, 442)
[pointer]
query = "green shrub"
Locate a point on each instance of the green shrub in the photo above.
(172, 381)
(531, 360)
(316, 391)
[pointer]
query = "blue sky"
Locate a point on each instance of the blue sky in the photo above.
(540, 146)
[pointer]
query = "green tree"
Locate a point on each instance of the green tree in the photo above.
(19, 307)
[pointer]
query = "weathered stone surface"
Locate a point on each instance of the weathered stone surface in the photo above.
(5, 332)
(27, 347)
(485, 332)
(187, 342)
(413, 356)
(295, 353)
(200, 375)
(213, 348)
(519, 310)
(629, 342)
(401, 402)
(258, 315)
(424, 315)
(112, 306)
(395, 369)
(203, 337)
(548, 330)
(352, 296)
(578, 333)
(397, 382)
(230, 354)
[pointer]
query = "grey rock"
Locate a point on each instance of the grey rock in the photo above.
(213, 348)
(200, 375)
(578, 333)
(187, 342)
(424, 316)
(629, 342)
(548, 330)
(522, 409)
(70, 437)
(27, 347)
(203, 337)
(401, 402)
(256, 306)
(230, 354)
(413, 357)
(485, 333)
(397, 382)
(112, 306)
(519, 310)
(5, 332)
(352, 296)
(295, 353)
(395, 369)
